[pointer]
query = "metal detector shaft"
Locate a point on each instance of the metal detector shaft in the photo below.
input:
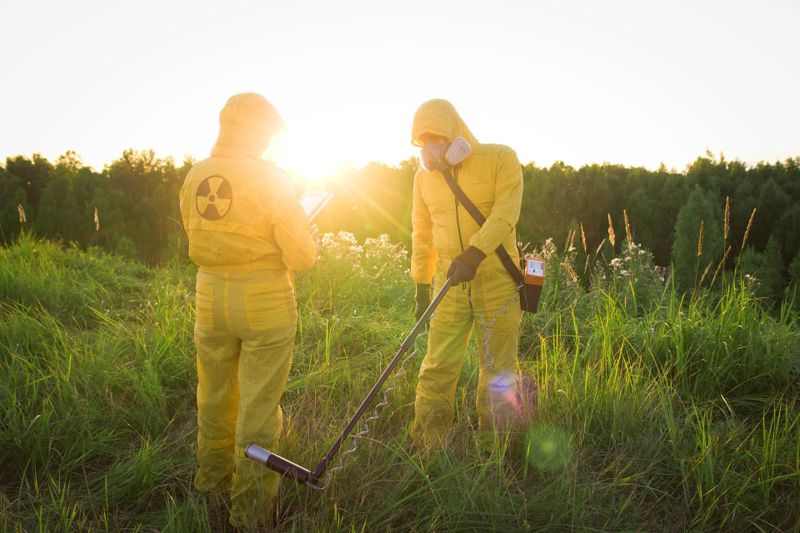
(407, 343)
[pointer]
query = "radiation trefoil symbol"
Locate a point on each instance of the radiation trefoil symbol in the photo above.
(214, 198)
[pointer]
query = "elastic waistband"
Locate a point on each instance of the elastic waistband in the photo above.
(263, 264)
(255, 276)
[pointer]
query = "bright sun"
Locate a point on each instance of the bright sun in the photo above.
(313, 160)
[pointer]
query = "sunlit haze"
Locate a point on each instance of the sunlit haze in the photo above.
(636, 83)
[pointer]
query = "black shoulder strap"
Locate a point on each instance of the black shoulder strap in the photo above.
(476, 214)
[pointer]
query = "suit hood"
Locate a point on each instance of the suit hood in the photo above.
(439, 117)
(246, 124)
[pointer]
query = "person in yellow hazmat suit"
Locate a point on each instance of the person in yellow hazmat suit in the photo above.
(247, 233)
(447, 241)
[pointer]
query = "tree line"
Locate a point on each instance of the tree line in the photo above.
(130, 207)
(715, 212)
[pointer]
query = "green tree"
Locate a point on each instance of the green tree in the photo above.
(743, 201)
(772, 278)
(794, 269)
(58, 211)
(12, 195)
(141, 179)
(698, 239)
(82, 183)
(34, 174)
(765, 269)
(12, 221)
(787, 232)
(772, 203)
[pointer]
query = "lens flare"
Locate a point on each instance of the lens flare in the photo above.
(503, 389)
(547, 447)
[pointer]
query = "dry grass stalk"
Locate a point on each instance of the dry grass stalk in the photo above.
(628, 234)
(583, 240)
(611, 237)
(749, 225)
(21, 212)
(570, 271)
(721, 265)
(700, 240)
(726, 227)
(705, 272)
(599, 247)
(570, 240)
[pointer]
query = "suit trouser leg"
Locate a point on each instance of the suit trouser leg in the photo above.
(496, 398)
(217, 404)
(264, 367)
(434, 406)
(497, 316)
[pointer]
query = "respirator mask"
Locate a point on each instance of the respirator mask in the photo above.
(441, 156)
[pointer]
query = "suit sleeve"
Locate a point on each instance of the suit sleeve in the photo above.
(507, 204)
(291, 230)
(423, 254)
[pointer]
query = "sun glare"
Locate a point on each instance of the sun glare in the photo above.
(315, 171)
(315, 162)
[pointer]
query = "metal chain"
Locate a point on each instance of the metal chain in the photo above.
(488, 357)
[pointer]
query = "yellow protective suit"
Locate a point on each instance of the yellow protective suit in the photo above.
(247, 232)
(492, 178)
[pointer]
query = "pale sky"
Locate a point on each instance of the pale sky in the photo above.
(630, 82)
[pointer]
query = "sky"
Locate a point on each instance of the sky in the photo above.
(629, 82)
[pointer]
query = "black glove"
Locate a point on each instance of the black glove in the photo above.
(464, 266)
(422, 299)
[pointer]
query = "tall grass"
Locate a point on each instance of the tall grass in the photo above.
(657, 411)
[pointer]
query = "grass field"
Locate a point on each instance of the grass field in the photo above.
(657, 412)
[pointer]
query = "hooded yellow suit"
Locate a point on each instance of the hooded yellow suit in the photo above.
(442, 229)
(247, 232)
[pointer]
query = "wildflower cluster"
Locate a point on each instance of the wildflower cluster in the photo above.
(376, 256)
(342, 245)
(349, 267)
(637, 263)
(633, 276)
(548, 251)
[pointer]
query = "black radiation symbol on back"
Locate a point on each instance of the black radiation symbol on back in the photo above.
(214, 198)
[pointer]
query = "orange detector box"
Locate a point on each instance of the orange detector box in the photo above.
(534, 271)
(533, 281)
